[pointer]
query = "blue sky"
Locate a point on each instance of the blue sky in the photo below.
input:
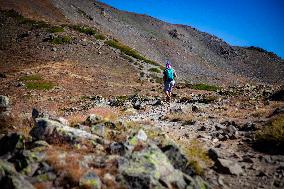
(239, 22)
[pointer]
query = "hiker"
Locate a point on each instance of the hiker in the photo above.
(169, 82)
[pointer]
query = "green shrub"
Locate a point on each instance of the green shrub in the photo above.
(35, 77)
(84, 29)
(156, 70)
(129, 51)
(43, 85)
(61, 40)
(56, 29)
(100, 37)
(273, 133)
(205, 87)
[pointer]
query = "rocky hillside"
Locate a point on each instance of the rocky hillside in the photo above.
(197, 56)
(81, 108)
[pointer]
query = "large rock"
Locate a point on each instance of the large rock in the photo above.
(51, 130)
(178, 159)
(11, 143)
(228, 167)
(10, 179)
(150, 168)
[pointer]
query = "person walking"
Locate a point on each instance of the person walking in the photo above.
(169, 80)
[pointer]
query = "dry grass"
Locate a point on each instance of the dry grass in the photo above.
(69, 164)
(16, 123)
(179, 117)
(273, 132)
(76, 119)
(197, 155)
(261, 112)
(108, 114)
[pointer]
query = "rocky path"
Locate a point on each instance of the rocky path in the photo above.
(238, 164)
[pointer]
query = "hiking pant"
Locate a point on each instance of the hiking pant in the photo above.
(169, 85)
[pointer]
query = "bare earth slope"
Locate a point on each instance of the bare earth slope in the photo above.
(197, 56)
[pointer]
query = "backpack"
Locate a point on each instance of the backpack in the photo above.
(169, 74)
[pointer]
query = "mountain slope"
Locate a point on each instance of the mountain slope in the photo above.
(197, 56)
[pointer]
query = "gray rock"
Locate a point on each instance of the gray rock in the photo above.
(141, 135)
(11, 143)
(149, 168)
(177, 159)
(4, 102)
(213, 154)
(93, 119)
(117, 148)
(228, 167)
(90, 180)
(194, 108)
(11, 179)
(47, 129)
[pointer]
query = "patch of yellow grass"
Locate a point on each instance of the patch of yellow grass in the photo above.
(76, 119)
(273, 132)
(108, 114)
(176, 117)
(196, 154)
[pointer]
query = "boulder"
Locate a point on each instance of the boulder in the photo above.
(213, 154)
(228, 167)
(11, 143)
(177, 159)
(10, 179)
(149, 168)
(52, 131)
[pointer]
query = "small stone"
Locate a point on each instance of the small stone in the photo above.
(142, 136)
(194, 108)
(54, 49)
(117, 148)
(4, 102)
(93, 119)
(90, 180)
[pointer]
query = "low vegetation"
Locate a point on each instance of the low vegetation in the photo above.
(100, 37)
(56, 29)
(35, 81)
(59, 40)
(129, 51)
(185, 118)
(34, 77)
(273, 133)
(84, 29)
(42, 85)
(197, 156)
(206, 87)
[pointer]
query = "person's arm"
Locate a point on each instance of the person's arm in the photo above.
(175, 75)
